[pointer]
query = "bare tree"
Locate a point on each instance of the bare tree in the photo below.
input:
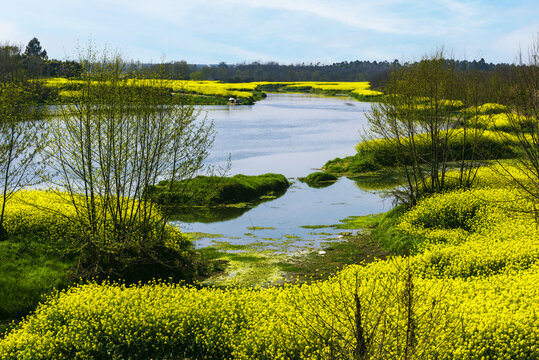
(521, 94)
(123, 134)
(22, 137)
(420, 118)
(389, 316)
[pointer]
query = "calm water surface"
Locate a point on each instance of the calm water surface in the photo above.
(290, 134)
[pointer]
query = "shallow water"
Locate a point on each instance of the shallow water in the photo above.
(290, 134)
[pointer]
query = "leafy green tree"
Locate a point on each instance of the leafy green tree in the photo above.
(197, 75)
(34, 49)
(123, 134)
(66, 68)
(34, 59)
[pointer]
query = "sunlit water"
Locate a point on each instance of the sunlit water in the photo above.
(290, 134)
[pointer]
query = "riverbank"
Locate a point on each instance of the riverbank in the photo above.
(65, 91)
(355, 245)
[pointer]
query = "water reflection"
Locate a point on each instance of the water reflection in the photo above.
(207, 215)
(218, 214)
(320, 185)
(283, 218)
(286, 133)
(374, 182)
(289, 134)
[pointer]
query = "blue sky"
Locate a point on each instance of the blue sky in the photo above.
(287, 31)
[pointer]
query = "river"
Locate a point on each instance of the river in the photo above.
(290, 134)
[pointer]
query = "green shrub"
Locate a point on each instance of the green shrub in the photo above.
(480, 145)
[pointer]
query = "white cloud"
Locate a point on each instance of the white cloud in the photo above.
(238, 52)
(397, 17)
(372, 15)
(289, 30)
(458, 7)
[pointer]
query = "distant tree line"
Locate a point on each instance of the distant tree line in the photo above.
(376, 72)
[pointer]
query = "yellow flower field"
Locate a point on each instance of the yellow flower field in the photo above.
(68, 88)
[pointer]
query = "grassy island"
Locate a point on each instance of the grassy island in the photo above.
(208, 191)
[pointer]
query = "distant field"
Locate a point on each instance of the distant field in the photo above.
(220, 92)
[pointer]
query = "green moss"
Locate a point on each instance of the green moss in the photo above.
(252, 228)
(319, 179)
(359, 222)
(355, 249)
(226, 246)
(256, 264)
(315, 226)
(358, 163)
(247, 266)
(214, 191)
(199, 235)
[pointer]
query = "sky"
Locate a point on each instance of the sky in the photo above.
(285, 31)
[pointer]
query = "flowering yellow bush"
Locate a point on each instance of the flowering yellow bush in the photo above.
(50, 217)
(361, 88)
(46, 214)
(502, 122)
(478, 232)
(485, 109)
(243, 90)
(485, 143)
(483, 318)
